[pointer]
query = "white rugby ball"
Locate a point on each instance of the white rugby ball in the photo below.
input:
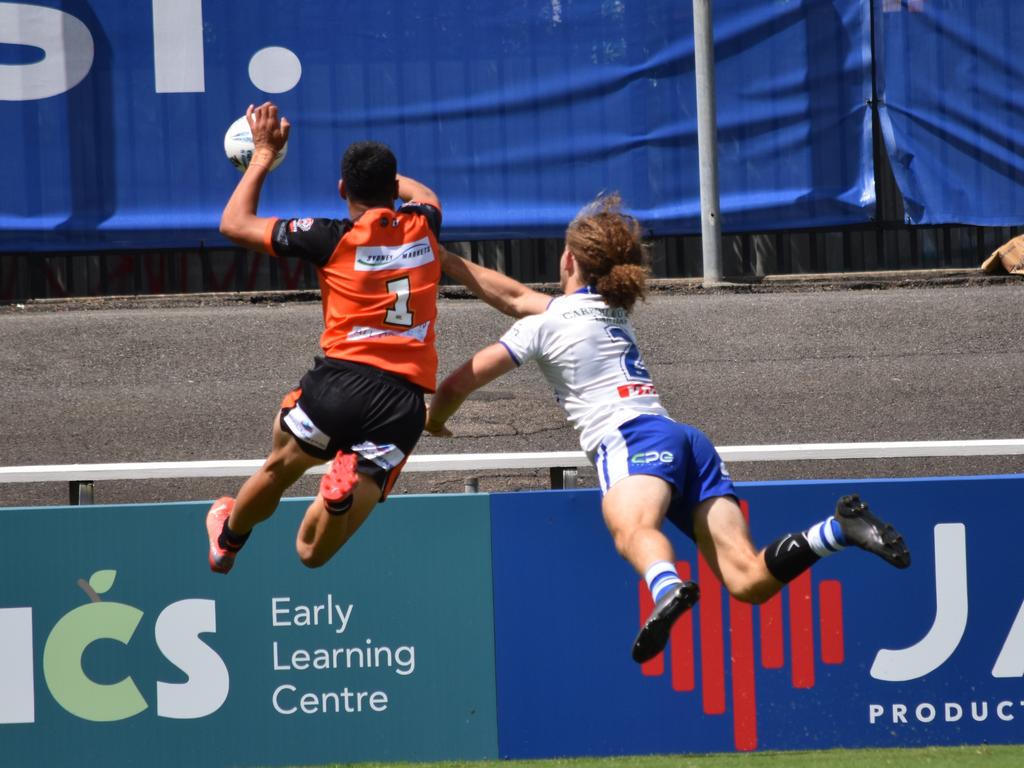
(238, 145)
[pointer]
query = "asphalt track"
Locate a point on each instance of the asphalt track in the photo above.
(188, 378)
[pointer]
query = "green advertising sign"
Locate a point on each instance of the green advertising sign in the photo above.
(119, 647)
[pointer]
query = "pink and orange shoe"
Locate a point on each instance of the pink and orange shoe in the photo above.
(221, 559)
(336, 486)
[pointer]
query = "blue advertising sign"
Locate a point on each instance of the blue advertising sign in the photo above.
(117, 642)
(852, 654)
(517, 115)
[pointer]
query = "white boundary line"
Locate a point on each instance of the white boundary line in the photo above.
(477, 462)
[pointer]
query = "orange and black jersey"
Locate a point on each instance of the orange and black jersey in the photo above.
(378, 282)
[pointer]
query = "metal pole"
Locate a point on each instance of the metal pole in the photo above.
(707, 141)
(563, 477)
(81, 492)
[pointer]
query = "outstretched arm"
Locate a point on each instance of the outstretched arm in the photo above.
(484, 367)
(502, 292)
(239, 222)
(409, 189)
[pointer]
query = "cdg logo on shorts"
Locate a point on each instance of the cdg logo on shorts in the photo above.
(652, 457)
(177, 632)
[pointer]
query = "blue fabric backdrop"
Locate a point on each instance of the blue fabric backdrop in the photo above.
(516, 113)
(952, 88)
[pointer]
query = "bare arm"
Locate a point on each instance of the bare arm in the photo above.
(484, 367)
(410, 189)
(239, 222)
(502, 292)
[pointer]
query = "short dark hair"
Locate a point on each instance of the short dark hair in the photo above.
(369, 169)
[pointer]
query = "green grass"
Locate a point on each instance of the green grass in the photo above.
(930, 757)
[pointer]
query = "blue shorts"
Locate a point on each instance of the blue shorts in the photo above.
(681, 455)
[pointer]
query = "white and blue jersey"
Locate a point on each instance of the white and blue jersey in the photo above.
(587, 351)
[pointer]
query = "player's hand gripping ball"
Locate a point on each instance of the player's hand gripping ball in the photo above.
(238, 145)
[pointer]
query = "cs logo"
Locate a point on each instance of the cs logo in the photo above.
(177, 636)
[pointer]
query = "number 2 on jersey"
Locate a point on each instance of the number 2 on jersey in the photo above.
(632, 365)
(399, 313)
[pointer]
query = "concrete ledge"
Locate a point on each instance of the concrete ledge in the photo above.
(924, 278)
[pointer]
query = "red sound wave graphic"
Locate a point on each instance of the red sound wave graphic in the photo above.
(741, 642)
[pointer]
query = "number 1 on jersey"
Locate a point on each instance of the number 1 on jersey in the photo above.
(399, 313)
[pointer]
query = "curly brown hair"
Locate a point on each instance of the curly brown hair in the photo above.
(607, 246)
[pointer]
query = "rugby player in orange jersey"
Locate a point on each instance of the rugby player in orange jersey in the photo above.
(362, 403)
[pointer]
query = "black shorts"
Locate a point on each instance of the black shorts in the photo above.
(356, 408)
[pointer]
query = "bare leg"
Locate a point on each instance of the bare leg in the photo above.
(322, 534)
(261, 493)
(634, 509)
(724, 539)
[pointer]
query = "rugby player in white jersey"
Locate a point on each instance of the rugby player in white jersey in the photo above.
(649, 466)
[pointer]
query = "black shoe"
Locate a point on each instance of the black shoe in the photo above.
(864, 530)
(654, 635)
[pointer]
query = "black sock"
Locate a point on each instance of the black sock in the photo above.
(230, 540)
(339, 507)
(790, 556)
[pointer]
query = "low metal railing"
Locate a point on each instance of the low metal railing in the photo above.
(563, 465)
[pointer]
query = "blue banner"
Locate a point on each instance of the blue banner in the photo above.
(853, 653)
(516, 114)
(951, 83)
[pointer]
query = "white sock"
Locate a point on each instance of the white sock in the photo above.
(660, 577)
(825, 537)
